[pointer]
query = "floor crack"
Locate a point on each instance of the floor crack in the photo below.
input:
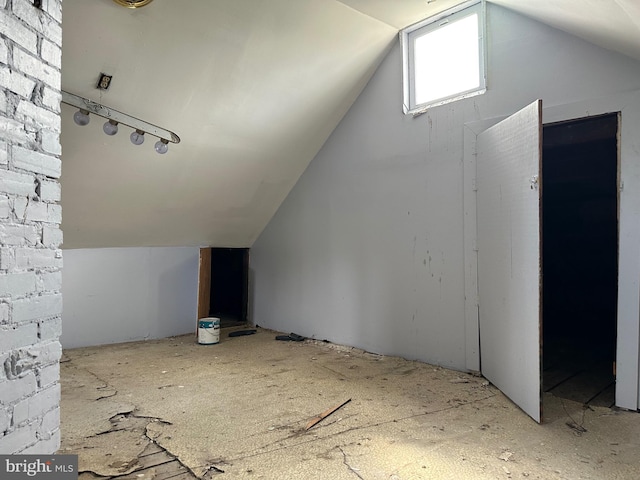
(166, 450)
(104, 385)
(346, 462)
(143, 427)
(107, 396)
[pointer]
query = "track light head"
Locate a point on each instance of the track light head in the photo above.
(110, 127)
(162, 146)
(137, 137)
(81, 117)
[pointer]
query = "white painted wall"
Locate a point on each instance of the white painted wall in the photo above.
(124, 294)
(368, 248)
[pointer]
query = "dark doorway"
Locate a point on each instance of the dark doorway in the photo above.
(229, 285)
(580, 258)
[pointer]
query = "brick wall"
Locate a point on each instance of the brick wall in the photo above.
(30, 216)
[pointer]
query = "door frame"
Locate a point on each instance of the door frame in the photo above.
(204, 284)
(628, 320)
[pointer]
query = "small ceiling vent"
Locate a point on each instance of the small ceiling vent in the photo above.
(133, 3)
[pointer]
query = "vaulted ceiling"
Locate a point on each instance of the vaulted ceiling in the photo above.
(252, 87)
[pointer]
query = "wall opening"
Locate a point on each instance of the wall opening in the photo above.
(580, 171)
(229, 285)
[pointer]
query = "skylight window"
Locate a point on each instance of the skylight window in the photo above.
(444, 58)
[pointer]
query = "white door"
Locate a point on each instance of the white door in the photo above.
(509, 262)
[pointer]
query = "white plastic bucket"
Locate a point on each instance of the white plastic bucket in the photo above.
(209, 331)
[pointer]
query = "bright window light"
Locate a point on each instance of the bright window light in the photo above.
(444, 58)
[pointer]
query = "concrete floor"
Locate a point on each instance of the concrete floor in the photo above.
(175, 409)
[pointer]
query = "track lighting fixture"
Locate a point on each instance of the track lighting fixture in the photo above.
(114, 118)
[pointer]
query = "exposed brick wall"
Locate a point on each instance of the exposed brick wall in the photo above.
(30, 216)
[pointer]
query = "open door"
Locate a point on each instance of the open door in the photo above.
(509, 260)
(229, 281)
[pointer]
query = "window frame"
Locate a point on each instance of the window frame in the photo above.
(408, 37)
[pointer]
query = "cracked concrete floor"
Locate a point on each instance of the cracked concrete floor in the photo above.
(238, 410)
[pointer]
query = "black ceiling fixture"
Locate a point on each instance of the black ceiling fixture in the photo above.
(104, 82)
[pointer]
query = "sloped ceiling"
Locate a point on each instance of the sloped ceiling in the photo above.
(252, 87)
(612, 24)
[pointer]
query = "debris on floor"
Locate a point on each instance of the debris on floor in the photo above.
(579, 429)
(292, 337)
(459, 380)
(241, 333)
(506, 455)
(318, 418)
(239, 411)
